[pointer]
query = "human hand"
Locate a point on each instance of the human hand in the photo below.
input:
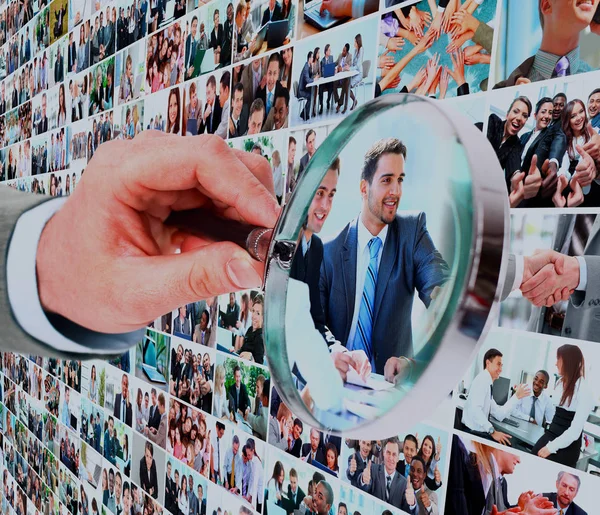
(478, 58)
(353, 465)
(539, 505)
(533, 181)
(385, 61)
(437, 475)
(501, 437)
(342, 362)
(554, 277)
(550, 174)
(517, 189)
(436, 26)
(366, 475)
(113, 225)
(424, 499)
(576, 196)
(592, 147)
(524, 498)
(394, 83)
(458, 63)
(417, 80)
(337, 8)
(505, 512)
(558, 198)
(424, 43)
(544, 452)
(444, 81)
(459, 41)
(417, 21)
(409, 494)
(464, 22)
(394, 44)
(586, 168)
(523, 390)
(397, 369)
(361, 363)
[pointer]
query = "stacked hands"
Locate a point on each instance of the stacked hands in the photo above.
(549, 183)
(422, 31)
(549, 277)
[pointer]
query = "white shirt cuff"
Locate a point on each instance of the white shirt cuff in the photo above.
(441, 9)
(358, 8)
(22, 288)
(519, 269)
(555, 161)
(478, 2)
(582, 274)
(337, 347)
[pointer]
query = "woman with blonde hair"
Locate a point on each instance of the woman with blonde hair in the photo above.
(221, 405)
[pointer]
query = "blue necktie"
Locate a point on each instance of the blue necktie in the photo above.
(269, 101)
(362, 337)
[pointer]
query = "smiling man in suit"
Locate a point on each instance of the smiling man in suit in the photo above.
(313, 451)
(295, 493)
(272, 13)
(567, 487)
(123, 410)
(562, 23)
(373, 267)
(385, 483)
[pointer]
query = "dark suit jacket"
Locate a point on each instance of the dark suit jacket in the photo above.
(72, 55)
(190, 47)
(520, 71)
(154, 418)
(320, 455)
(149, 482)
(465, 493)
(540, 147)
(59, 68)
(574, 509)
(262, 94)
(216, 119)
(305, 78)
(216, 38)
(409, 262)
(300, 495)
(360, 466)
(429, 482)
(296, 449)
(276, 14)
(303, 164)
(308, 271)
(244, 399)
(242, 127)
(377, 487)
(117, 410)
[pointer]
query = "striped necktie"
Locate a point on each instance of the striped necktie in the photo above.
(362, 337)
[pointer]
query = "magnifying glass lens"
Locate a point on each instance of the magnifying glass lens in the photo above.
(375, 313)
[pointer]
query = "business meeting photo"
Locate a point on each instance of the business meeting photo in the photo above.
(206, 105)
(242, 394)
(544, 39)
(100, 131)
(333, 73)
(240, 326)
(346, 286)
(273, 149)
(415, 56)
(485, 479)
(546, 138)
(536, 394)
(186, 491)
(196, 322)
(263, 85)
(550, 285)
(80, 10)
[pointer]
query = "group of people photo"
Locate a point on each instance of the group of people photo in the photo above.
(548, 145)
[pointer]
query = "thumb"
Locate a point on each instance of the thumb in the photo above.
(559, 264)
(207, 271)
(562, 183)
(533, 165)
(590, 129)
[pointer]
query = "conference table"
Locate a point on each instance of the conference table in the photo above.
(338, 76)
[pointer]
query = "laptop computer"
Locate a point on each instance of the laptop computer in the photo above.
(149, 365)
(208, 61)
(312, 15)
(96, 475)
(277, 32)
(261, 35)
(329, 70)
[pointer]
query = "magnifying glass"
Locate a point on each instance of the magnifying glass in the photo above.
(384, 269)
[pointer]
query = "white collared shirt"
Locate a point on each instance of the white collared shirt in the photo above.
(363, 258)
(544, 408)
(480, 405)
(530, 141)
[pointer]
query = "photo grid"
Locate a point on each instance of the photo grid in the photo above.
(189, 422)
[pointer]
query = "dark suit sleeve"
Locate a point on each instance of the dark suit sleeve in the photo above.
(430, 268)
(463, 90)
(558, 147)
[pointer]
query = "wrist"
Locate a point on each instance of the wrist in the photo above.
(47, 263)
(572, 272)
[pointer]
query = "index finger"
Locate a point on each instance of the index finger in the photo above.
(176, 165)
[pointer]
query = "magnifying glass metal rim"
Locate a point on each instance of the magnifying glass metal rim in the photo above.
(480, 292)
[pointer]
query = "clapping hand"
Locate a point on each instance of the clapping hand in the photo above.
(410, 494)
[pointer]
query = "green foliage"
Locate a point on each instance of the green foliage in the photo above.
(102, 387)
(84, 453)
(249, 375)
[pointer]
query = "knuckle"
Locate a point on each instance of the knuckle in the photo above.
(199, 280)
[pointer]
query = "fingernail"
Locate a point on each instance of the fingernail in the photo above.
(242, 273)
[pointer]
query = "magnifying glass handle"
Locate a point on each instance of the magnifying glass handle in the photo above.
(207, 225)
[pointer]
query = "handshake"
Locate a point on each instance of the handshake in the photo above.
(549, 277)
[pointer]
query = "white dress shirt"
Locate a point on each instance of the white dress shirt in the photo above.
(22, 288)
(480, 405)
(530, 142)
(363, 257)
(581, 403)
(544, 408)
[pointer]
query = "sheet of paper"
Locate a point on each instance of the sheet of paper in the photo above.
(352, 377)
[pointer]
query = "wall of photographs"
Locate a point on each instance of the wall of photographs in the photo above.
(188, 422)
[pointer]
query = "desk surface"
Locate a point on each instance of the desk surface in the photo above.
(338, 76)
